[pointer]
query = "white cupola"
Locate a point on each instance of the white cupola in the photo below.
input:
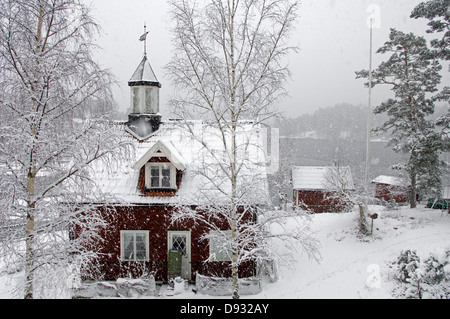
(144, 89)
(144, 118)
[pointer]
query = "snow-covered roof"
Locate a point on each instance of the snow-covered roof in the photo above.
(321, 178)
(162, 149)
(201, 157)
(389, 180)
(144, 73)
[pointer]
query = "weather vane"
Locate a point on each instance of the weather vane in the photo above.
(144, 38)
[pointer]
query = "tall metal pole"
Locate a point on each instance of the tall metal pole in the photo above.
(369, 109)
(145, 41)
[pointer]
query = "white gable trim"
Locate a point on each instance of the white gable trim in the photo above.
(162, 149)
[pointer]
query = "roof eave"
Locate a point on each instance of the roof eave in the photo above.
(166, 152)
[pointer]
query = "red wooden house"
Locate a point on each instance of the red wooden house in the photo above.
(391, 189)
(316, 189)
(166, 174)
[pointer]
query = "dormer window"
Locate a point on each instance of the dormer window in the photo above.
(160, 176)
(160, 170)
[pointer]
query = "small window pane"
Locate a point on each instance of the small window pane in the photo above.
(165, 181)
(179, 243)
(154, 176)
(128, 246)
(148, 100)
(141, 250)
(136, 100)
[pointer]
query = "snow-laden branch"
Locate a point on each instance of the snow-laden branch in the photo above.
(56, 113)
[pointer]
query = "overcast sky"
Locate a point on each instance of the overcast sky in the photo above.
(332, 35)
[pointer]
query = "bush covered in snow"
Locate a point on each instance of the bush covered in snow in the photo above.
(408, 264)
(122, 288)
(426, 279)
(215, 286)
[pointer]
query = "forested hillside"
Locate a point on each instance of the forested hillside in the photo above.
(336, 135)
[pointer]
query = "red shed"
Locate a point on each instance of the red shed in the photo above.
(391, 188)
(318, 189)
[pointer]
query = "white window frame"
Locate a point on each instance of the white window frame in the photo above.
(148, 175)
(213, 245)
(134, 233)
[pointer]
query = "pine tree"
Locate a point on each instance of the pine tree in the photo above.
(413, 74)
(438, 12)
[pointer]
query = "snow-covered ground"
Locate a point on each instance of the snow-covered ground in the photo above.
(351, 267)
(355, 268)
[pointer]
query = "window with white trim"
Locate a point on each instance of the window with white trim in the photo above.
(220, 245)
(160, 176)
(134, 245)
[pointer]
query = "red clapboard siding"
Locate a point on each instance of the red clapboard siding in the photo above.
(157, 220)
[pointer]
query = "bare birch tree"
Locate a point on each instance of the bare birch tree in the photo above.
(48, 77)
(230, 66)
(338, 178)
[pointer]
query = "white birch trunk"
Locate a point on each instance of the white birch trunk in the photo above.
(229, 68)
(48, 79)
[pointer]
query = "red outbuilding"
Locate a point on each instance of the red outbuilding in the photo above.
(391, 189)
(321, 189)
